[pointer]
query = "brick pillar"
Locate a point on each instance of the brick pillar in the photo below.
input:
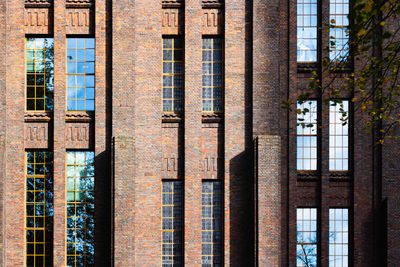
(124, 200)
(123, 114)
(268, 196)
(3, 103)
(59, 134)
(237, 166)
(193, 81)
(15, 184)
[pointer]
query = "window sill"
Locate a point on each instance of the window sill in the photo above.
(79, 116)
(38, 116)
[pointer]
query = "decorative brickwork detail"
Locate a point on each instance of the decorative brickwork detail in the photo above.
(172, 21)
(36, 135)
(37, 21)
(212, 21)
(77, 135)
(78, 21)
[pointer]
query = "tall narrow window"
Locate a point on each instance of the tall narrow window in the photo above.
(307, 134)
(39, 74)
(307, 31)
(307, 237)
(39, 208)
(80, 74)
(339, 36)
(172, 223)
(212, 75)
(339, 136)
(172, 74)
(80, 208)
(212, 223)
(338, 237)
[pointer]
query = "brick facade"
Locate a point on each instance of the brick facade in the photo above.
(250, 147)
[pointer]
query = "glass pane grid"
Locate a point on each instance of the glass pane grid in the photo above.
(80, 208)
(307, 30)
(212, 60)
(80, 74)
(307, 135)
(339, 136)
(172, 74)
(172, 223)
(306, 237)
(338, 237)
(339, 10)
(39, 208)
(212, 219)
(39, 74)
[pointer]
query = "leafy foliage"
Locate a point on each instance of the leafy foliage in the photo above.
(374, 49)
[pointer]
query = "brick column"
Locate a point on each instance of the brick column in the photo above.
(193, 81)
(268, 195)
(14, 230)
(123, 113)
(59, 134)
(237, 166)
(3, 103)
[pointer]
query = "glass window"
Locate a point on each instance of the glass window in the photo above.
(338, 237)
(39, 74)
(307, 135)
(212, 220)
(339, 136)
(80, 74)
(307, 30)
(172, 74)
(39, 208)
(80, 208)
(339, 35)
(212, 75)
(172, 223)
(307, 237)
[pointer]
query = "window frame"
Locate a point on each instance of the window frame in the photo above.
(222, 74)
(75, 203)
(80, 74)
(45, 88)
(173, 74)
(182, 219)
(317, 243)
(45, 255)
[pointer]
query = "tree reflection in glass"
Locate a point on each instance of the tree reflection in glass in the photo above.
(39, 74)
(39, 208)
(80, 208)
(306, 237)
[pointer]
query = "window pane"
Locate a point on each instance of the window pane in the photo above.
(339, 38)
(172, 74)
(212, 220)
(80, 208)
(212, 75)
(307, 133)
(39, 207)
(338, 136)
(40, 69)
(307, 25)
(338, 237)
(172, 223)
(306, 249)
(80, 74)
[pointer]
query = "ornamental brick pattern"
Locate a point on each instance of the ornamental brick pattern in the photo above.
(250, 147)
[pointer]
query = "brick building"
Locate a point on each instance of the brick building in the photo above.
(151, 133)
